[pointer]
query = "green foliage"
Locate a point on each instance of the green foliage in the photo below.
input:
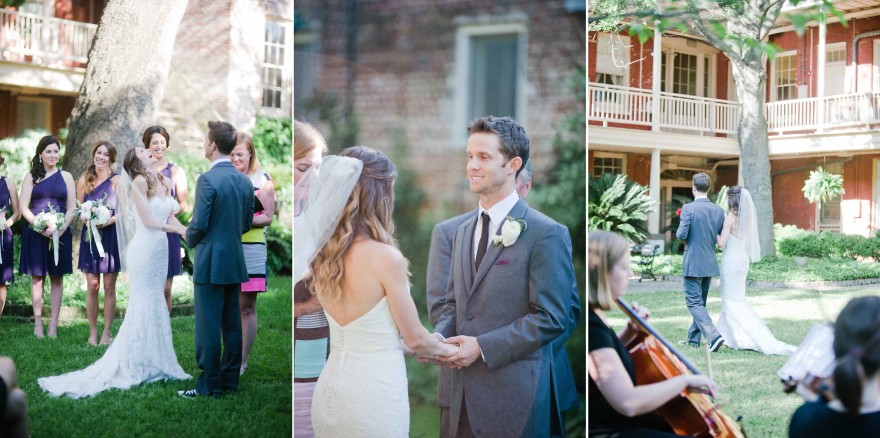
(344, 126)
(17, 153)
(828, 245)
(678, 201)
(13, 3)
(822, 186)
(279, 246)
(620, 205)
(273, 139)
(412, 231)
(566, 184)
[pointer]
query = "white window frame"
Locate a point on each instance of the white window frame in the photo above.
(672, 46)
(48, 111)
(616, 155)
(286, 107)
(830, 226)
(774, 77)
(462, 83)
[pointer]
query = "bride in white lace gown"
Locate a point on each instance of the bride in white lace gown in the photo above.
(362, 282)
(739, 324)
(142, 350)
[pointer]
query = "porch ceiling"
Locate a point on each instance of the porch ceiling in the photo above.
(824, 144)
(850, 8)
(640, 141)
(35, 77)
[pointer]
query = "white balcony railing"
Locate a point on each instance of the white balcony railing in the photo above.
(841, 111)
(617, 104)
(36, 39)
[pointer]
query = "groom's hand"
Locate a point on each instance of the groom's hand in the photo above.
(469, 351)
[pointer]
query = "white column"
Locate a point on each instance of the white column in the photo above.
(656, 71)
(654, 191)
(820, 77)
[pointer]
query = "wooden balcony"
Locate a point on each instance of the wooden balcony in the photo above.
(843, 111)
(612, 104)
(46, 41)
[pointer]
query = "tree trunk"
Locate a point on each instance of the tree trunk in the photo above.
(754, 145)
(125, 78)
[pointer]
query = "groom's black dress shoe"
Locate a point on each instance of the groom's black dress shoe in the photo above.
(716, 344)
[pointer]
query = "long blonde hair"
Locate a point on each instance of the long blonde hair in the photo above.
(605, 250)
(367, 214)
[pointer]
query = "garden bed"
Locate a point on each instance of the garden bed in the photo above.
(781, 269)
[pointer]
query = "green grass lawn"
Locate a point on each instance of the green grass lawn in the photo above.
(261, 407)
(747, 378)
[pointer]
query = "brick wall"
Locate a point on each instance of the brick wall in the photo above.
(404, 77)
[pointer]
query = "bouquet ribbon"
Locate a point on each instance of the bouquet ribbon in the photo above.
(96, 238)
(55, 239)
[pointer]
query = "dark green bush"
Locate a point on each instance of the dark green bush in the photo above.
(279, 245)
(827, 245)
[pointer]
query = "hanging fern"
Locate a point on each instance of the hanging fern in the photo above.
(618, 204)
(823, 186)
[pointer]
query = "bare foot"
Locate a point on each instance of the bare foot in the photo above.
(106, 339)
(93, 339)
(38, 331)
(53, 331)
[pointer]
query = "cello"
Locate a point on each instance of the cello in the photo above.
(690, 413)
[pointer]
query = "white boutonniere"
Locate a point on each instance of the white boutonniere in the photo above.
(510, 231)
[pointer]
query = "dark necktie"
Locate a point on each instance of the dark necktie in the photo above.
(484, 239)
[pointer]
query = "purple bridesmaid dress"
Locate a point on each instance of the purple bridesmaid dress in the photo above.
(89, 258)
(36, 258)
(174, 262)
(6, 268)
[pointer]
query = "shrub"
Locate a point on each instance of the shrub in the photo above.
(17, 153)
(279, 246)
(618, 204)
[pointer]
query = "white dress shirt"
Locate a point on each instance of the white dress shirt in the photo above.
(496, 213)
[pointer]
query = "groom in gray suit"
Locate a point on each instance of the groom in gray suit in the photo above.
(565, 396)
(505, 302)
(700, 225)
(223, 211)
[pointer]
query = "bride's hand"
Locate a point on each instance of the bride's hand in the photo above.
(445, 350)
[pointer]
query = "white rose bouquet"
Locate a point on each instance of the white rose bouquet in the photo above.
(48, 222)
(93, 214)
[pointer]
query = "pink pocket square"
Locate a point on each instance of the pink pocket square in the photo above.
(502, 262)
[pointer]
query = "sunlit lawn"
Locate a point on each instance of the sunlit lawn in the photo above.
(748, 378)
(261, 407)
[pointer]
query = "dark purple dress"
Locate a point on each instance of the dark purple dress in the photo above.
(36, 258)
(173, 238)
(6, 272)
(89, 258)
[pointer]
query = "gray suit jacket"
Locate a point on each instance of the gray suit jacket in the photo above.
(437, 279)
(701, 223)
(516, 304)
(223, 211)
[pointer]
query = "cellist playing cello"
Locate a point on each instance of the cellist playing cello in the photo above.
(618, 406)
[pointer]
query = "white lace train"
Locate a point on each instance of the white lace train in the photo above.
(739, 324)
(142, 350)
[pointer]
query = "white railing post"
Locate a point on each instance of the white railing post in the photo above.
(654, 191)
(655, 81)
(820, 76)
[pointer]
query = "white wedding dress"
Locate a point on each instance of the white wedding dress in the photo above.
(739, 325)
(142, 350)
(362, 391)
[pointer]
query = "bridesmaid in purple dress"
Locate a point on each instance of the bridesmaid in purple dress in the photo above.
(99, 183)
(43, 186)
(10, 214)
(157, 140)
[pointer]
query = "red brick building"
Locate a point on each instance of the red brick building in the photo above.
(661, 132)
(44, 47)
(421, 70)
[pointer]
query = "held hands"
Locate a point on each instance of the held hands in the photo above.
(469, 351)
